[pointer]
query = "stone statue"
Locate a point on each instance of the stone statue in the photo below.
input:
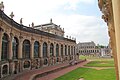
(32, 25)
(2, 6)
(51, 20)
(12, 15)
(29, 25)
(21, 20)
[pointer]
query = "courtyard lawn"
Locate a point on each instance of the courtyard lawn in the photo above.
(89, 74)
(92, 73)
(101, 64)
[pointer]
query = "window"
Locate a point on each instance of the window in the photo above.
(26, 49)
(4, 54)
(44, 49)
(71, 50)
(57, 50)
(61, 50)
(68, 50)
(65, 50)
(15, 48)
(36, 49)
(51, 49)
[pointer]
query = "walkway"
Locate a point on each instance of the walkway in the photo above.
(52, 76)
(28, 75)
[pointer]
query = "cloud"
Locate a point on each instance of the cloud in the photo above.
(83, 27)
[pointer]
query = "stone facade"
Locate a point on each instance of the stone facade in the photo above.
(91, 49)
(25, 48)
(111, 15)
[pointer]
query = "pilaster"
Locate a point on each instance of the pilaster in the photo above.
(10, 47)
(20, 48)
(1, 34)
(32, 49)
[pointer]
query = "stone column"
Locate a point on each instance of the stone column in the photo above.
(116, 15)
(1, 34)
(63, 50)
(59, 49)
(41, 53)
(32, 49)
(67, 50)
(54, 49)
(70, 50)
(48, 50)
(10, 47)
(20, 48)
(41, 50)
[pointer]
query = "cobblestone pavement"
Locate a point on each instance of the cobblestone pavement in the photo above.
(28, 75)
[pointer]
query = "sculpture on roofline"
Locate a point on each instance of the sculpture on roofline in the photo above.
(2, 6)
(32, 25)
(21, 21)
(11, 15)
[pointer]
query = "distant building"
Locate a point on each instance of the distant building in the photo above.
(90, 48)
(51, 28)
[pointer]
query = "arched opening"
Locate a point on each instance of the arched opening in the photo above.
(36, 49)
(4, 54)
(51, 49)
(5, 70)
(26, 49)
(71, 50)
(61, 50)
(44, 49)
(45, 61)
(57, 50)
(65, 50)
(68, 50)
(15, 48)
(26, 64)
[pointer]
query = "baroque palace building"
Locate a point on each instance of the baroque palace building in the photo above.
(111, 15)
(25, 48)
(91, 49)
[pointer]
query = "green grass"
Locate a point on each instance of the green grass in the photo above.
(92, 74)
(101, 64)
(89, 74)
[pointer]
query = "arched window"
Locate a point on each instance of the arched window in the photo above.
(44, 49)
(71, 50)
(61, 50)
(65, 50)
(68, 50)
(57, 50)
(15, 47)
(26, 49)
(51, 49)
(36, 49)
(4, 54)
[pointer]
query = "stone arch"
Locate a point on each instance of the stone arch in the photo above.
(5, 70)
(15, 44)
(26, 49)
(45, 49)
(57, 50)
(5, 46)
(27, 64)
(36, 49)
(51, 49)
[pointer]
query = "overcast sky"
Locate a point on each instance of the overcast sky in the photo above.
(79, 18)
